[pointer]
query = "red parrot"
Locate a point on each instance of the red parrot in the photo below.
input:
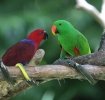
(23, 51)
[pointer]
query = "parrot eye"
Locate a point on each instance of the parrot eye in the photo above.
(41, 32)
(60, 24)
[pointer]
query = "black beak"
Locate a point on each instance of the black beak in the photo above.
(57, 32)
(45, 35)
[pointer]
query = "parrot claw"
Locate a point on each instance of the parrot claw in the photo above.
(28, 79)
(72, 63)
(32, 82)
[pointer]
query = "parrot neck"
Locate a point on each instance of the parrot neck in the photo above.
(72, 33)
(68, 37)
(35, 41)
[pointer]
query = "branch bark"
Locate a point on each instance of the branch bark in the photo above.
(48, 72)
(98, 16)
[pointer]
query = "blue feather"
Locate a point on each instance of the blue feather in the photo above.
(27, 41)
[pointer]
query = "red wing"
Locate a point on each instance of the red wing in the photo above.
(76, 51)
(19, 53)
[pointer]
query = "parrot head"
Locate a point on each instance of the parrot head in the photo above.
(60, 27)
(38, 35)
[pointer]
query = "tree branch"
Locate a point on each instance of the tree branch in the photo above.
(99, 16)
(103, 8)
(48, 72)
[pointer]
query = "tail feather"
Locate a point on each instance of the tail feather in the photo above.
(86, 74)
(83, 71)
(5, 73)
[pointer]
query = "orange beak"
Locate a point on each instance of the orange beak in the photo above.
(53, 29)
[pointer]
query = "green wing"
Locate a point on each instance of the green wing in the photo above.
(83, 45)
(64, 54)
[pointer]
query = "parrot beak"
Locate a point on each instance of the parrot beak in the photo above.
(54, 30)
(45, 35)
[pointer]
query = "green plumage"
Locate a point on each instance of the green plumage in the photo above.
(73, 43)
(70, 38)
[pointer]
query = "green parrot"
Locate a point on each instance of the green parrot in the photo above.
(73, 43)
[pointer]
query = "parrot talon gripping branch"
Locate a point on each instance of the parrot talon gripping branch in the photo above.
(73, 43)
(28, 79)
(21, 53)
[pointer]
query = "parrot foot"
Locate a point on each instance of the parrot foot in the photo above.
(83, 71)
(32, 82)
(6, 74)
(28, 79)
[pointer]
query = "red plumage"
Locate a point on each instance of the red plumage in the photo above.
(23, 51)
(76, 51)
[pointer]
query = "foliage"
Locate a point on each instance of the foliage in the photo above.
(19, 17)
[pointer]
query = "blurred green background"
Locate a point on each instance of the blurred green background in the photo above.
(19, 17)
